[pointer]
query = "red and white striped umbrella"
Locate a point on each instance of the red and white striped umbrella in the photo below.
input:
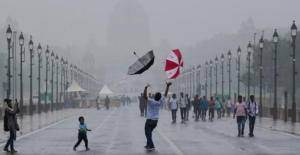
(174, 64)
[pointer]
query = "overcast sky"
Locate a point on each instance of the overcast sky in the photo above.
(182, 22)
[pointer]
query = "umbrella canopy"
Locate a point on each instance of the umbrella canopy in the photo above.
(143, 64)
(174, 64)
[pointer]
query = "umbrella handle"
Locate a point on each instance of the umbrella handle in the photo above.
(138, 58)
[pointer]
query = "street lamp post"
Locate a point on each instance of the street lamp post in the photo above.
(238, 64)
(66, 81)
(222, 74)
(294, 35)
(52, 73)
(216, 74)
(31, 56)
(39, 50)
(249, 50)
(61, 80)
(8, 37)
(210, 75)
(206, 68)
(22, 54)
(57, 72)
(261, 46)
(275, 40)
(229, 71)
(47, 69)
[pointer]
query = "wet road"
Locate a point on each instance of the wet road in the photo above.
(121, 131)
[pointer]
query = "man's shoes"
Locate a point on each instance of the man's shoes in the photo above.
(150, 148)
(6, 149)
(13, 151)
(239, 135)
(251, 135)
(243, 133)
(147, 146)
(88, 149)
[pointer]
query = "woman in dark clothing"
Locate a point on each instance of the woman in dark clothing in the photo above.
(197, 107)
(10, 113)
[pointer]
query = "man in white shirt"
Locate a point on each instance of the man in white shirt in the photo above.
(182, 103)
(174, 105)
(252, 109)
(153, 114)
(229, 105)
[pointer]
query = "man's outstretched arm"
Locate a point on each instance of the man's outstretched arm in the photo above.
(167, 88)
(145, 92)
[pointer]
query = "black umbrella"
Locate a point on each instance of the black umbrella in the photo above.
(143, 64)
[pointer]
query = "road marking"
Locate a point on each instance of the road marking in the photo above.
(174, 147)
(28, 134)
(95, 131)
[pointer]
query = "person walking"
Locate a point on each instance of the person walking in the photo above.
(252, 112)
(240, 110)
(197, 107)
(141, 104)
(153, 114)
(98, 102)
(219, 107)
(174, 106)
(82, 131)
(204, 105)
(229, 105)
(11, 125)
(188, 106)
(182, 103)
(211, 112)
(107, 101)
(223, 107)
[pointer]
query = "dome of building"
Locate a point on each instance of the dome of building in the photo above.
(128, 30)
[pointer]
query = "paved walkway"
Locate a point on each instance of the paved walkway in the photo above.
(31, 123)
(120, 131)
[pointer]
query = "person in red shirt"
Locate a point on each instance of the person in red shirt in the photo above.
(211, 105)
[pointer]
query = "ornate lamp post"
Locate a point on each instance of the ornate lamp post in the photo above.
(52, 73)
(238, 67)
(39, 50)
(294, 35)
(222, 74)
(206, 68)
(62, 80)
(31, 63)
(47, 69)
(261, 46)
(57, 72)
(8, 37)
(275, 40)
(249, 50)
(216, 74)
(229, 72)
(22, 59)
(210, 75)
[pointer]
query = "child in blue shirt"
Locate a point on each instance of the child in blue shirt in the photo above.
(82, 133)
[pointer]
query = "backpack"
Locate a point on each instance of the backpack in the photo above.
(254, 106)
(5, 126)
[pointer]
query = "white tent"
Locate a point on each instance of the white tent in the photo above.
(105, 91)
(74, 87)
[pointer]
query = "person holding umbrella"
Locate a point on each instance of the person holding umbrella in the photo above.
(11, 125)
(153, 114)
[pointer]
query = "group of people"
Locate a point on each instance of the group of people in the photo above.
(242, 109)
(106, 102)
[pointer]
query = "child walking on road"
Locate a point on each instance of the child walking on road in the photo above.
(82, 134)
